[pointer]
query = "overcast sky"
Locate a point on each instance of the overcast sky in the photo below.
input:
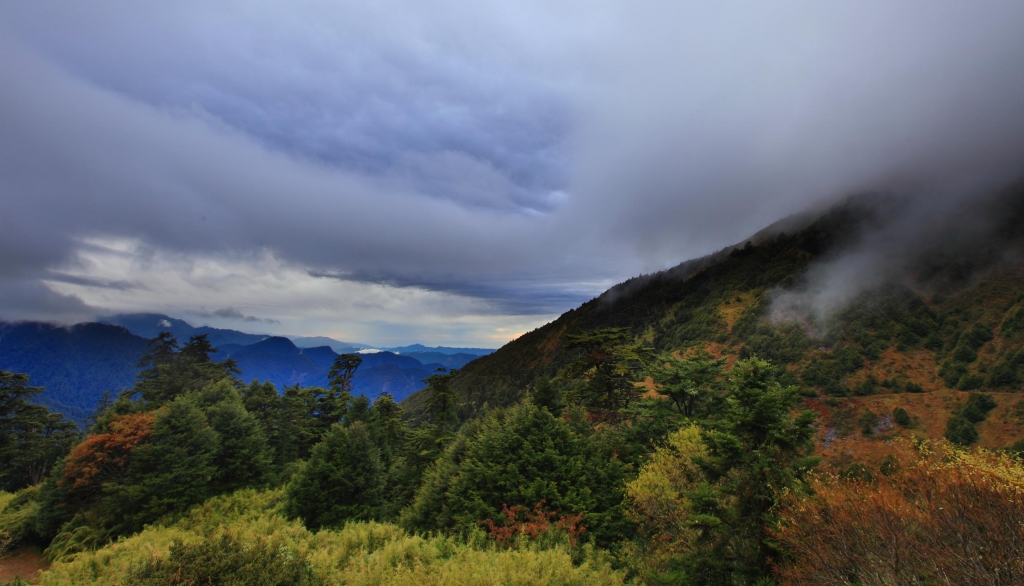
(458, 172)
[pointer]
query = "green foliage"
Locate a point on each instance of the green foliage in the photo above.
(17, 511)
(171, 472)
(687, 381)
(548, 395)
(703, 501)
(901, 417)
(226, 561)
(1008, 372)
(31, 438)
(343, 480)
(442, 400)
(868, 420)
(756, 450)
(519, 457)
(1013, 323)
(243, 539)
(603, 376)
(169, 372)
(960, 429)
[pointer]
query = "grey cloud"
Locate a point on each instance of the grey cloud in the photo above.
(120, 285)
(524, 154)
(510, 295)
(235, 314)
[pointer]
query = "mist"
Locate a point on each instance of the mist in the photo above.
(934, 243)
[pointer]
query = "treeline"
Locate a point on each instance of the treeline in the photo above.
(593, 478)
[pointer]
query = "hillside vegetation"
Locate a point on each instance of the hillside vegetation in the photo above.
(950, 319)
(705, 425)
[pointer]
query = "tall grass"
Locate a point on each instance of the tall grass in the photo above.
(222, 535)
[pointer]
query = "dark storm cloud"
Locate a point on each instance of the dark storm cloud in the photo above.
(521, 154)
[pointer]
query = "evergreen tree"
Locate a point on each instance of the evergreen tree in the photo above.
(519, 457)
(548, 396)
(169, 374)
(442, 399)
(170, 472)
(343, 480)
(606, 371)
(687, 381)
(340, 381)
(756, 449)
(31, 438)
(243, 458)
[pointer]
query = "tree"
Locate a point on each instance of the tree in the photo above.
(170, 472)
(170, 372)
(687, 380)
(243, 458)
(442, 398)
(160, 351)
(340, 380)
(547, 395)
(31, 438)
(659, 501)
(520, 456)
(756, 451)
(607, 370)
(343, 480)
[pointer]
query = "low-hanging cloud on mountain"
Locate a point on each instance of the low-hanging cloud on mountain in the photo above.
(508, 160)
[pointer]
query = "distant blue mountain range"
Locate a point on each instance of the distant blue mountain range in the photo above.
(77, 364)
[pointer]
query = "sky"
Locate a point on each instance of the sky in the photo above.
(459, 172)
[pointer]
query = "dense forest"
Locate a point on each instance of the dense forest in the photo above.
(683, 428)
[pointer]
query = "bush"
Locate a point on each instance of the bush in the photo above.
(243, 539)
(913, 388)
(868, 420)
(965, 354)
(911, 527)
(961, 431)
(901, 417)
(226, 561)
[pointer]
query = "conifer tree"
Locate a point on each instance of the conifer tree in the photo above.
(31, 438)
(343, 480)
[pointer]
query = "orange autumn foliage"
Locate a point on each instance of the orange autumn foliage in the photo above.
(102, 457)
(942, 516)
(520, 522)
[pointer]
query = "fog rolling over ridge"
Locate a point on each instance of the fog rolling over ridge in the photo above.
(933, 243)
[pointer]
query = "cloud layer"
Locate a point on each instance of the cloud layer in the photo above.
(464, 167)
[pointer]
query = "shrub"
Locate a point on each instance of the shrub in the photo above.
(964, 353)
(901, 417)
(961, 431)
(925, 523)
(226, 561)
(868, 420)
(243, 539)
(913, 388)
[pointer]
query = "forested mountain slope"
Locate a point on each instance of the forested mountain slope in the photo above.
(75, 365)
(943, 308)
